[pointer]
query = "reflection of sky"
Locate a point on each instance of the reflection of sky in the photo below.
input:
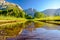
(43, 34)
(49, 34)
(38, 4)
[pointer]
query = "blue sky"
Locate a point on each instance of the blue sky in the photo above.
(39, 5)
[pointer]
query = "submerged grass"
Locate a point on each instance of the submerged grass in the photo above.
(11, 29)
(10, 26)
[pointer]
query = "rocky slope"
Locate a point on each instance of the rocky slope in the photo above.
(11, 9)
(30, 11)
(52, 12)
(4, 5)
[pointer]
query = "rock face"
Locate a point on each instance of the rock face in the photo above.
(52, 12)
(49, 12)
(4, 4)
(2, 1)
(30, 11)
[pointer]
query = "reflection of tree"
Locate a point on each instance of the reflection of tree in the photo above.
(29, 26)
(38, 24)
(11, 31)
(17, 29)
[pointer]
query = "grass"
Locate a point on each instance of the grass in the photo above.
(49, 18)
(11, 25)
(10, 18)
(11, 29)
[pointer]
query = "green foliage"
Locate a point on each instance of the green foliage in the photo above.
(4, 12)
(39, 15)
(13, 10)
(21, 14)
(57, 14)
(28, 17)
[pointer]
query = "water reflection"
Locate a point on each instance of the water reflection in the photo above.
(38, 31)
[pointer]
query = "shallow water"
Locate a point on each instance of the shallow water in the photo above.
(38, 31)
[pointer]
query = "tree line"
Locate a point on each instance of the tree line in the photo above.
(21, 14)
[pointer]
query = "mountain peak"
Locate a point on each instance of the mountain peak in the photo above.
(30, 11)
(2, 1)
